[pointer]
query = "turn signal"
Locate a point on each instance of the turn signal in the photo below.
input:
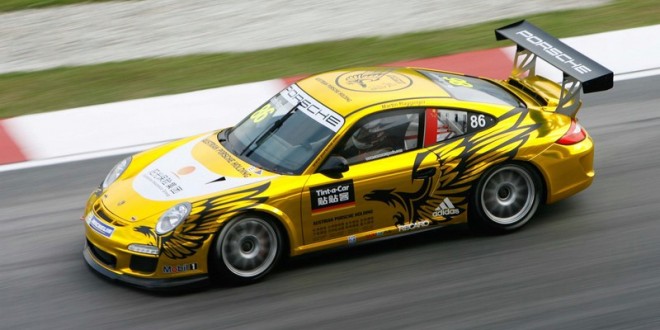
(148, 249)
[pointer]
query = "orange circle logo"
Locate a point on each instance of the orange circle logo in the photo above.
(185, 170)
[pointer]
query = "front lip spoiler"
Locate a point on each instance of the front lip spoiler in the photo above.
(151, 284)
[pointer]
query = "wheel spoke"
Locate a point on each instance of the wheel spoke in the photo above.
(249, 247)
(507, 195)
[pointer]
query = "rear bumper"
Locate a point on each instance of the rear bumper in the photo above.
(145, 283)
(567, 170)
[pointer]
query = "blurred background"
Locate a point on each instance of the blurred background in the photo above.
(107, 51)
(589, 262)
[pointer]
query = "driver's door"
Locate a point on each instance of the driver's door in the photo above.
(363, 202)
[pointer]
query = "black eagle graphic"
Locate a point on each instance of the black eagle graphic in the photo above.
(411, 202)
(188, 237)
(461, 162)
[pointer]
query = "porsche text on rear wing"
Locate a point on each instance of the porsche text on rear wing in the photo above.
(579, 71)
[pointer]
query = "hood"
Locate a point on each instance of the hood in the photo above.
(197, 169)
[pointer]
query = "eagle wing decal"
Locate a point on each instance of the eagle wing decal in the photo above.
(461, 162)
(203, 222)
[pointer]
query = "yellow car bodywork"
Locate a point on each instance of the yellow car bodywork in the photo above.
(527, 135)
(437, 176)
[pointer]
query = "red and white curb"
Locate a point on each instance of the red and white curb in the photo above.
(131, 126)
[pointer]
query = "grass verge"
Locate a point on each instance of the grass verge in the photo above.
(14, 5)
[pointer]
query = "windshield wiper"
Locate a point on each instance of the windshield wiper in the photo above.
(274, 127)
(222, 136)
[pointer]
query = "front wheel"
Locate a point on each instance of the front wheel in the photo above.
(247, 248)
(505, 198)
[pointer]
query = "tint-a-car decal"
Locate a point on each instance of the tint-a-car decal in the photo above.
(203, 222)
(332, 196)
(461, 162)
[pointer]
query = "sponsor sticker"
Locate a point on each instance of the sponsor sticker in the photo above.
(314, 109)
(99, 226)
(373, 81)
(186, 170)
(401, 104)
(445, 209)
(165, 182)
(334, 89)
(178, 175)
(352, 240)
(336, 195)
(263, 113)
(173, 269)
(255, 170)
(227, 156)
(457, 81)
(557, 53)
(376, 235)
(384, 154)
(415, 225)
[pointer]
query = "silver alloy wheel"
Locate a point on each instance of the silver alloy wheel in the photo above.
(508, 195)
(249, 247)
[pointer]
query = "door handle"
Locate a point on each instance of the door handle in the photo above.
(424, 173)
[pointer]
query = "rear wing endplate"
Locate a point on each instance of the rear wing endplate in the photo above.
(579, 71)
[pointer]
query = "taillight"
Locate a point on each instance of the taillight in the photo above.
(574, 135)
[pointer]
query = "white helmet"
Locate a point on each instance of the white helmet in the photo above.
(369, 135)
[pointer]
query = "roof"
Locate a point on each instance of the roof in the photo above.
(348, 90)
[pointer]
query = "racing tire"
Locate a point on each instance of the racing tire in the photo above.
(506, 198)
(247, 249)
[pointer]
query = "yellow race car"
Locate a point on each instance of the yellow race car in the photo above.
(345, 157)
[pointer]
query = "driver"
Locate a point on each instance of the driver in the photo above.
(370, 141)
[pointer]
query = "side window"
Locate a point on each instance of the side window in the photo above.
(381, 135)
(444, 124)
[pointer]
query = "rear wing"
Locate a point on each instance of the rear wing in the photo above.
(579, 71)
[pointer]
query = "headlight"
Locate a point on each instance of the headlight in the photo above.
(116, 172)
(172, 218)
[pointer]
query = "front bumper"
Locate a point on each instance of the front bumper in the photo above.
(146, 283)
(106, 250)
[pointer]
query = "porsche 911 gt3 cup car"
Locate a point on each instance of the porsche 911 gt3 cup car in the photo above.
(345, 157)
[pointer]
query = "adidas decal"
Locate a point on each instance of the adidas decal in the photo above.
(445, 208)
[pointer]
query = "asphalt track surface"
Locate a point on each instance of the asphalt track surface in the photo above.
(589, 262)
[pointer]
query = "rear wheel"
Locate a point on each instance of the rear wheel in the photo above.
(505, 198)
(247, 249)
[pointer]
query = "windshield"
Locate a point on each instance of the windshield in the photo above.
(284, 134)
(472, 89)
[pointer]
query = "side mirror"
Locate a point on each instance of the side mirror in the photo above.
(334, 165)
